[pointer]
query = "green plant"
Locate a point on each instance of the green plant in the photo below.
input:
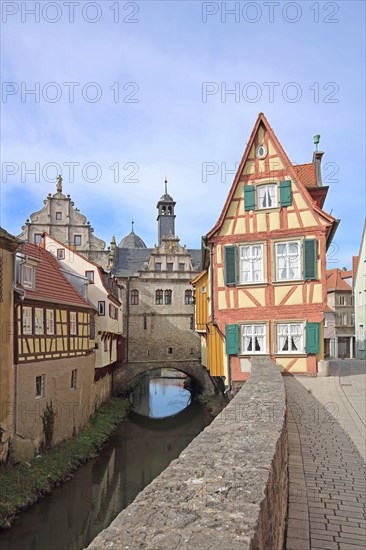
(48, 422)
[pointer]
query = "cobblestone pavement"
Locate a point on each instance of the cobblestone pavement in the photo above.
(326, 428)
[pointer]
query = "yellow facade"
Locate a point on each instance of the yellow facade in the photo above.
(215, 351)
(201, 300)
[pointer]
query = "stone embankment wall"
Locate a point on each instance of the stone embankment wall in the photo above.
(228, 488)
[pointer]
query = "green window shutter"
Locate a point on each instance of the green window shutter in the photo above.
(312, 338)
(309, 259)
(249, 197)
(232, 339)
(231, 265)
(285, 193)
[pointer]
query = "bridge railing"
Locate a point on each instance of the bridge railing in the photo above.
(228, 488)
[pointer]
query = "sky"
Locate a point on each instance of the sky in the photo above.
(118, 95)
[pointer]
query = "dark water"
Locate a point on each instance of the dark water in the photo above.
(138, 451)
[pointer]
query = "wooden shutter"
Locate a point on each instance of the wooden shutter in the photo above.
(285, 193)
(231, 265)
(249, 197)
(232, 339)
(309, 258)
(312, 338)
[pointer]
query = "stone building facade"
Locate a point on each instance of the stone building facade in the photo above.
(339, 323)
(158, 292)
(8, 246)
(65, 223)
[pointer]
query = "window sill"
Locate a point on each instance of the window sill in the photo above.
(265, 210)
(286, 354)
(252, 354)
(260, 285)
(289, 281)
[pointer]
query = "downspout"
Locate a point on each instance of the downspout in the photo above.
(128, 315)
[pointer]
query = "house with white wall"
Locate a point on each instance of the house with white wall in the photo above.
(104, 294)
(360, 298)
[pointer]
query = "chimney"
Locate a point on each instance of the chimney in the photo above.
(317, 159)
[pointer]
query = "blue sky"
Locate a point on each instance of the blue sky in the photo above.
(138, 105)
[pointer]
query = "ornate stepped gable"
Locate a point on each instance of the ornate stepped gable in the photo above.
(65, 223)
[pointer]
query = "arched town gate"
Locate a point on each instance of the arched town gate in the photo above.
(124, 373)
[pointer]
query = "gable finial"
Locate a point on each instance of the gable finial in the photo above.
(59, 184)
(316, 139)
(132, 222)
(166, 185)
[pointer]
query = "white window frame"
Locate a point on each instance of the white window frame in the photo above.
(38, 321)
(42, 381)
(73, 323)
(284, 329)
(289, 261)
(78, 237)
(28, 272)
(60, 253)
(342, 301)
(58, 215)
(27, 320)
(265, 194)
(101, 308)
(251, 261)
(37, 238)
(344, 319)
(50, 322)
(252, 331)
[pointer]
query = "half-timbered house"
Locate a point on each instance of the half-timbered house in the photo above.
(105, 295)
(265, 262)
(54, 353)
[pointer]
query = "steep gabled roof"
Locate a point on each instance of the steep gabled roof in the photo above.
(291, 169)
(50, 284)
(101, 271)
(335, 280)
(307, 174)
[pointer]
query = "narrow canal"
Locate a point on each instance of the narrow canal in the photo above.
(163, 423)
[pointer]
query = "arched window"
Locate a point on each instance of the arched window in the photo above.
(188, 297)
(159, 297)
(168, 297)
(134, 297)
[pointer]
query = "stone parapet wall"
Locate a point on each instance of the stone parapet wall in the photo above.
(228, 488)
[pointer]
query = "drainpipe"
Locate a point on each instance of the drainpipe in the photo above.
(127, 316)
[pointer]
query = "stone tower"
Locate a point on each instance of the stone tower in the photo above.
(166, 216)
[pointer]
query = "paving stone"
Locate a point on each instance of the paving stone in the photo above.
(330, 436)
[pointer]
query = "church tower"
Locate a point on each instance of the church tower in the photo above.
(166, 216)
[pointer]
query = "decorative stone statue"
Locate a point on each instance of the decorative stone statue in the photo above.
(59, 184)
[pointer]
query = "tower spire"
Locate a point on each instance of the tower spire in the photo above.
(166, 185)
(132, 222)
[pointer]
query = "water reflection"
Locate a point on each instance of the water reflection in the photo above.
(161, 393)
(137, 452)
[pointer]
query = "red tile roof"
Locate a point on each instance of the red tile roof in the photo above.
(51, 285)
(335, 280)
(329, 309)
(307, 174)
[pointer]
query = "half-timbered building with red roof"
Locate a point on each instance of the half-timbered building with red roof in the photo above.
(53, 353)
(266, 263)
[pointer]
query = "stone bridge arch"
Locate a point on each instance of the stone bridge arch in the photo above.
(125, 373)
